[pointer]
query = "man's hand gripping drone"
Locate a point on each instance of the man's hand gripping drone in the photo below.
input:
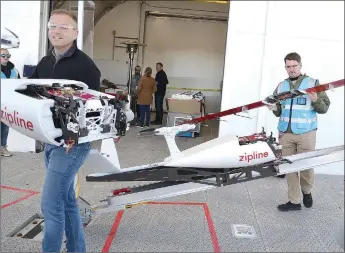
(48, 114)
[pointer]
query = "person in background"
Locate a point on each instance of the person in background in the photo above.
(59, 204)
(134, 88)
(297, 128)
(161, 82)
(8, 70)
(146, 88)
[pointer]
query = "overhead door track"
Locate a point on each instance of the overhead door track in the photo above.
(171, 15)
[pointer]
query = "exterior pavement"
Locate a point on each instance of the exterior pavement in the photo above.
(198, 222)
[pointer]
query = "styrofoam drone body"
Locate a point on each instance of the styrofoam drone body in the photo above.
(62, 112)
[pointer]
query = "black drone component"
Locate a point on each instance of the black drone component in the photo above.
(121, 122)
(56, 85)
(115, 102)
(83, 132)
(106, 128)
(121, 118)
(273, 99)
(66, 108)
(63, 114)
(263, 131)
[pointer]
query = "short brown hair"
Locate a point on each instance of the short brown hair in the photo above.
(292, 57)
(148, 71)
(66, 12)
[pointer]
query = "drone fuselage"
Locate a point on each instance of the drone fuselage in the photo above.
(55, 111)
(225, 152)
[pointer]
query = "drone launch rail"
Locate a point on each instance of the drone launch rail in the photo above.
(180, 181)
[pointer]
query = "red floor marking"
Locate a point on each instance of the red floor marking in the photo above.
(175, 203)
(17, 189)
(113, 231)
(31, 193)
(211, 228)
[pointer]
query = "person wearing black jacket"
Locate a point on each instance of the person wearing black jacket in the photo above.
(161, 82)
(59, 203)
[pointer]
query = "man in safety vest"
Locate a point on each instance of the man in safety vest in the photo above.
(7, 71)
(297, 128)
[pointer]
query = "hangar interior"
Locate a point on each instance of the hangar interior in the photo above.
(188, 37)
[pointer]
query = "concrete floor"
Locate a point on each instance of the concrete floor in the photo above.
(199, 222)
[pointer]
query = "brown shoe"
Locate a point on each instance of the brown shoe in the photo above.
(4, 152)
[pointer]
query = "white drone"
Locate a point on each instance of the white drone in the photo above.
(9, 39)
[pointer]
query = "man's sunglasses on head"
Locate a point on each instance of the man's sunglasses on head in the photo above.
(6, 56)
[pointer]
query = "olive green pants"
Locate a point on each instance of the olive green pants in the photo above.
(302, 181)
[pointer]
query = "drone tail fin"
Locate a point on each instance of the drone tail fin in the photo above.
(107, 160)
(170, 133)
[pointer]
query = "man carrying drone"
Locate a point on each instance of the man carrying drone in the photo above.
(297, 128)
(59, 204)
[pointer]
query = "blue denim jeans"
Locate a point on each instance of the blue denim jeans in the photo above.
(59, 204)
(4, 134)
(159, 99)
(145, 115)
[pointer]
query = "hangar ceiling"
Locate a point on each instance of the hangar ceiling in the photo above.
(103, 7)
(100, 7)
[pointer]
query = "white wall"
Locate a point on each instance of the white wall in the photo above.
(23, 18)
(192, 51)
(26, 24)
(260, 34)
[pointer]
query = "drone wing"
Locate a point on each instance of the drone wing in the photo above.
(268, 100)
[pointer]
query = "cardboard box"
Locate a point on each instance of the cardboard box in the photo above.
(190, 106)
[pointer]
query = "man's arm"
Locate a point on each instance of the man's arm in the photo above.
(154, 87)
(166, 79)
(91, 76)
(140, 85)
(321, 105)
(278, 107)
(162, 79)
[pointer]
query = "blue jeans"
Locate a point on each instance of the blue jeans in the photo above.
(4, 134)
(59, 204)
(145, 114)
(159, 108)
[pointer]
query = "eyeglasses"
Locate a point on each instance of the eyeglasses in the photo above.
(5, 56)
(52, 26)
